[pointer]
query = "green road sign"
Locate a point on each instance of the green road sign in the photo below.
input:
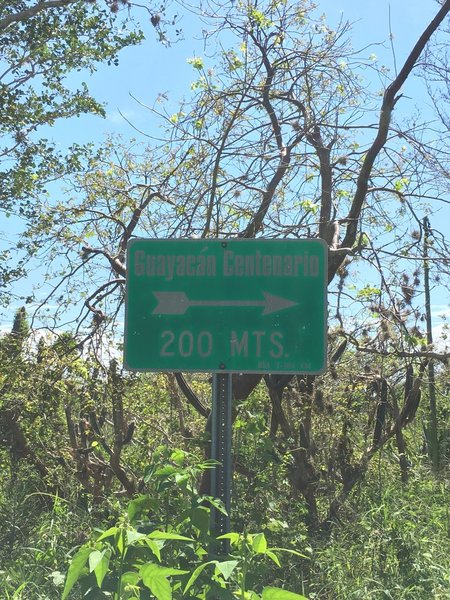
(247, 306)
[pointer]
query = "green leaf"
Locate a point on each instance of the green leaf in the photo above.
(274, 557)
(152, 570)
(227, 567)
(217, 504)
(271, 593)
(200, 518)
(121, 541)
(196, 62)
(154, 548)
(193, 578)
(233, 537)
(108, 533)
(259, 18)
(210, 463)
(76, 569)
(101, 568)
(367, 292)
(18, 592)
(259, 544)
(163, 535)
(164, 471)
(160, 588)
(182, 478)
(178, 457)
(400, 184)
(94, 558)
(134, 536)
(155, 578)
(289, 551)
(136, 506)
(130, 578)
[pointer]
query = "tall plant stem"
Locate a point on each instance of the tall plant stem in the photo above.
(433, 423)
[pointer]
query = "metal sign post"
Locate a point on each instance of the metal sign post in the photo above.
(221, 452)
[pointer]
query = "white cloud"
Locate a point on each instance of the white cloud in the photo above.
(440, 315)
(122, 117)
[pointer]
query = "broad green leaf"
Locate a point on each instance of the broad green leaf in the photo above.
(154, 548)
(259, 544)
(99, 563)
(94, 558)
(160, 588)
(166, 471)
(135, 506)
(162, 535)
(227, 567)
(233, 537)
(153, 570)
(130, 578)
(178, 456)
(200, 518)
(155, 578)
(134, 536)
(102, 569)
(274, 557)
(193, 578)
(271, 593)
(214, 502)
(76, 569)
(108, 533)
(181, 478)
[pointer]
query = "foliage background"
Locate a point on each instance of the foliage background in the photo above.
(349, 469)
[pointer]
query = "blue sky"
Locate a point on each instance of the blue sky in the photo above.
(151, 69)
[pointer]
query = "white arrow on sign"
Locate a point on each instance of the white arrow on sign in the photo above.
(177, 303)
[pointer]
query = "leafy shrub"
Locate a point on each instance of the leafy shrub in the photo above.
(165, 554)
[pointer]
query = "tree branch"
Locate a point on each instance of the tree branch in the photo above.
(28, 13)
(390, 98)
(191, 396)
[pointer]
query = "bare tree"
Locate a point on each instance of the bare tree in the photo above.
(284, 137)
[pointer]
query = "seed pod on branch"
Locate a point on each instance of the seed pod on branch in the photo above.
(380, 417)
